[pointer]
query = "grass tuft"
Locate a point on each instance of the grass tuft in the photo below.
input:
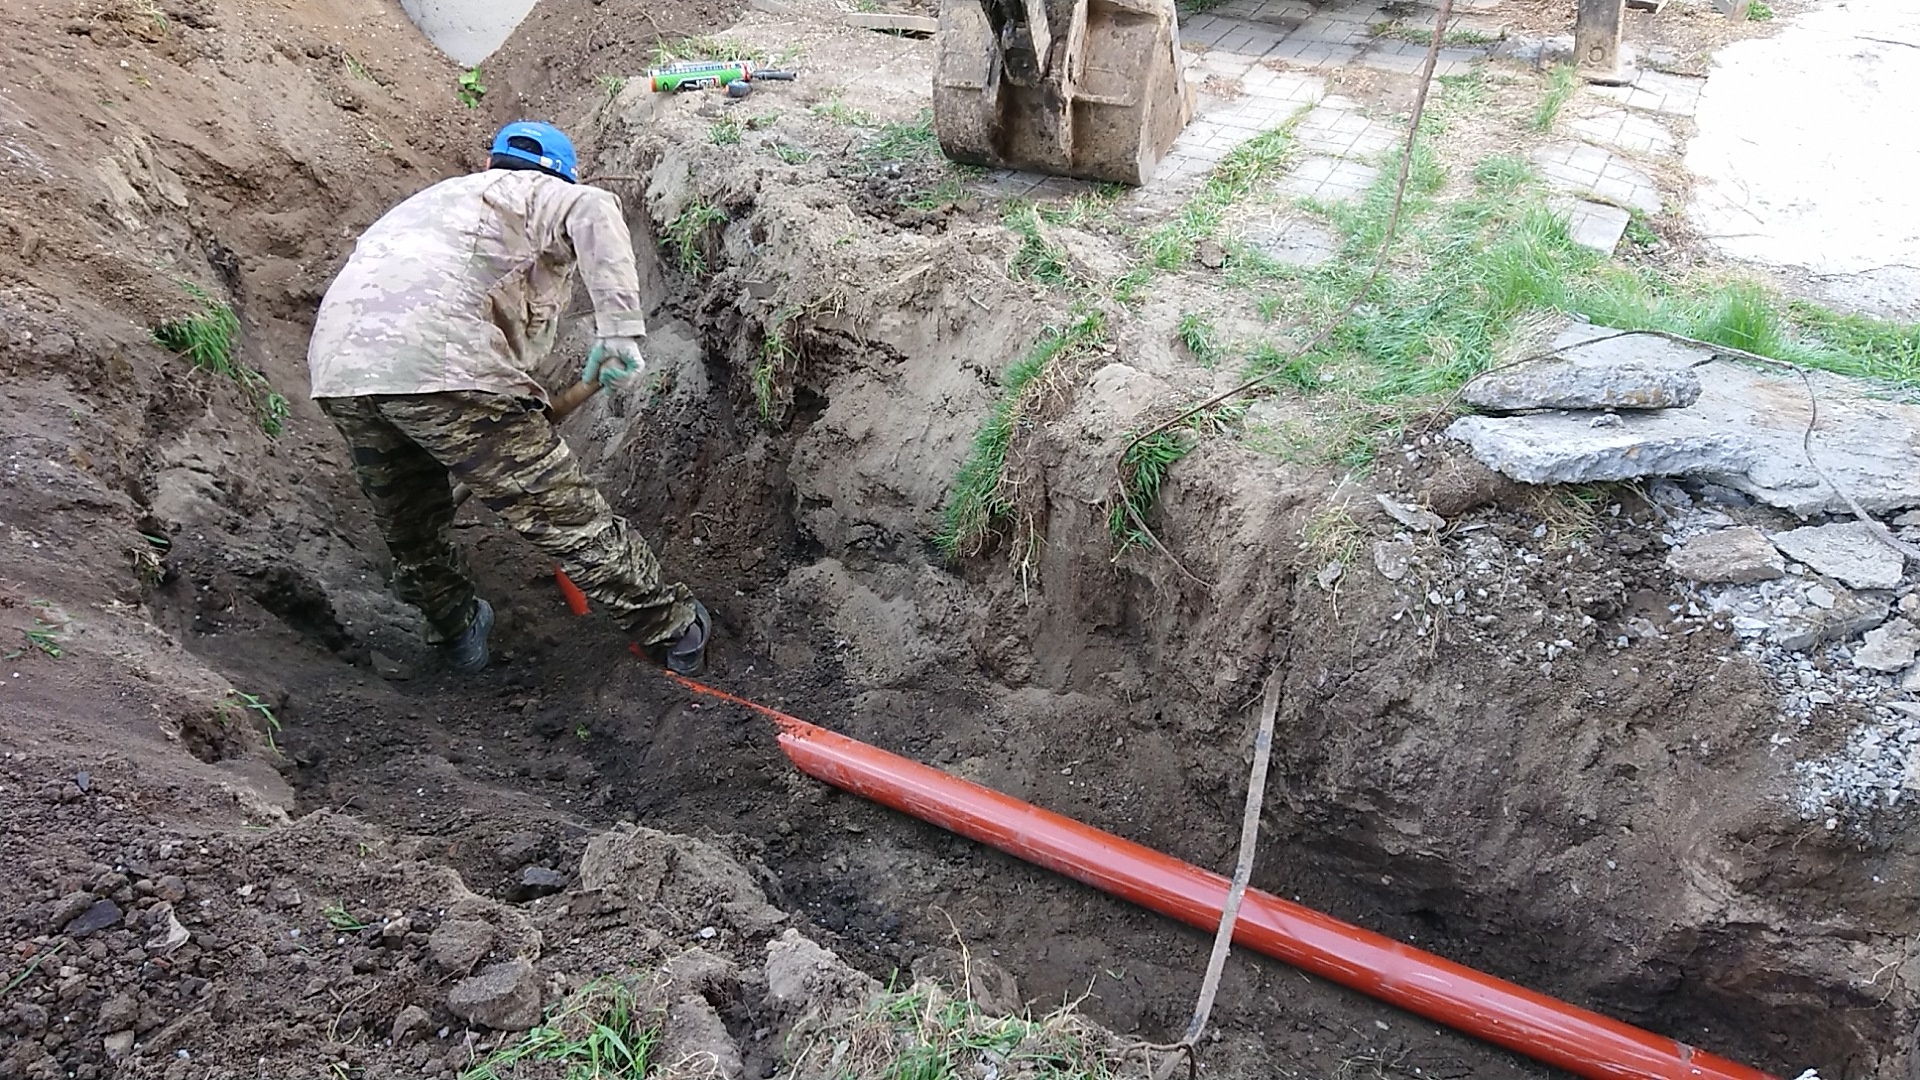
(902, 142)
(599, 1033)
(726, 131)
(685, 233)
(1144, 468)
(1248, 165)
(208, 338)
(773, 369)
(1200, 336)
(1562, 82)
(237, 703)
(980, 498)
(1037, 258)
(470, 89)
(922, 1033)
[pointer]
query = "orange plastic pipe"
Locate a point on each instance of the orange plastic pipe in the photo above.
(1546, 1029)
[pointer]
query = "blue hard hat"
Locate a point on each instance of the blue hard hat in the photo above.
(542, 144)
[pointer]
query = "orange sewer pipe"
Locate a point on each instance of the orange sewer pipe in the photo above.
(1543, 1028)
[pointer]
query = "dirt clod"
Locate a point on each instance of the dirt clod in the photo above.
(458, 945)
(504, 997)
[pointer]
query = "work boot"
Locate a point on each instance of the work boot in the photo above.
(467, 654)
(688, 655)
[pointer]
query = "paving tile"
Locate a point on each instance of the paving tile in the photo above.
(1328, 178)
(1390, 58)
(1288, 239)
(1297, 89)
(1315, 54)
(1594, 225)
(1278, 10)
(1657, 91)
(1580, 169)
(1336, 127)
(1205, 30)
(1321, 29)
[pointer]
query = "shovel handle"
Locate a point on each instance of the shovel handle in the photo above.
(558, 408)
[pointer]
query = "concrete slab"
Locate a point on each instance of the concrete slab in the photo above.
(1657, 91)
(1329, 179)
(1847, 551)
(1744, 432)
(468, 31)
(1338, 128)
(1801, 158)
(1594, 225)
(1290, 240)
(1622, 129)
(1597, 173)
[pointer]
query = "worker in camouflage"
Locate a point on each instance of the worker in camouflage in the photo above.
(420, 356)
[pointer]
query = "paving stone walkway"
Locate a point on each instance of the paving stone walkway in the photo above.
(1258, 64)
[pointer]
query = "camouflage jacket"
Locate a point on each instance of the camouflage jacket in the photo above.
(461, 287)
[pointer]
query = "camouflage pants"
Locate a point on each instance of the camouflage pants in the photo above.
(404, 447)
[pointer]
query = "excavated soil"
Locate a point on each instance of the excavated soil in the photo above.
(1488, 757)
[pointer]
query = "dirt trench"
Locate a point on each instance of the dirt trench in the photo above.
(1467, 759)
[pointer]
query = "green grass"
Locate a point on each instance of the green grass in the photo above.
(705, 47)
(1423, 35)
(684, 233)
(339, 918)
(1562, 81)
(1468, 276)
(1145, 465)
(979, 498)
(1253, 162)
(1143, 469)
(840, 112)
(237, 702)
(45, 638)
(1202, 339)
(1759, 12)
(1037, 258)
(902, 142)
(922, 1033)
(792, 155)
(726, 131)
(599, 1033)
(612, 85)
(208, 338)
(773, 368)
(470, 89)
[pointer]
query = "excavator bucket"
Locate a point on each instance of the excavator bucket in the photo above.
(1085, 88)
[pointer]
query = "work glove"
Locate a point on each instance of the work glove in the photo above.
(613, 360)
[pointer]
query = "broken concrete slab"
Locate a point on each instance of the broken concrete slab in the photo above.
(1889, 648)
(1574, 383)
(1851, 614)
(1392, 558)
(1292, 241)
(1594, 225)
(1597, 173)
(1731, 556)
(1847, 551)
(1415, 517)
(1744, 432)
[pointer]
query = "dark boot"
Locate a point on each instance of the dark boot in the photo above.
(688, 655)
(467, 654)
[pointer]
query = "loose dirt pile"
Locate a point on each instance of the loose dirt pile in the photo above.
(223, 726)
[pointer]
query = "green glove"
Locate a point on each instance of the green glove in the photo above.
(613, 360)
